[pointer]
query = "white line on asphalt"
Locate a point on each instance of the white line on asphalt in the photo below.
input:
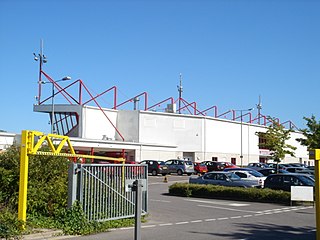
(165, 224)
(224, 218)
(219, 203)
(266, 212)
(196, 221)
(210, 220)
(229, 209)
(158, 200)
(148, 226)
(179, 223)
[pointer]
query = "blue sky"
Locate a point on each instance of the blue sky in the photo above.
(228, 51)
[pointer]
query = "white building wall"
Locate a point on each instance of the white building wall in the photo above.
(171, 129)
(95, 124)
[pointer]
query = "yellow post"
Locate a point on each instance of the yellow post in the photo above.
(315, 154)
(23, 184)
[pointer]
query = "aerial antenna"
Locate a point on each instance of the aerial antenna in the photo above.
(180, 90)
(259, 107)
(42, 59)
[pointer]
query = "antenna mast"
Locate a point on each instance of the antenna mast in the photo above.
(180, 90)
(42, 59)
(259, 107)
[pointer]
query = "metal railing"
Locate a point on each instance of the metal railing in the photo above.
(103, 191)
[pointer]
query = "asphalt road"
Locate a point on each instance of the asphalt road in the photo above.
(181, 218)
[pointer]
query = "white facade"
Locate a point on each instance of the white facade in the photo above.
(161, 136)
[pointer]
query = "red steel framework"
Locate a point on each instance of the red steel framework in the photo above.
(68, 121)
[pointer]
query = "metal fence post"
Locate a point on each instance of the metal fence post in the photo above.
(138, 205)
(72, 184)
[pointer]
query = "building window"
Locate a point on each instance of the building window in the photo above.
(215, 159)
(234, 161)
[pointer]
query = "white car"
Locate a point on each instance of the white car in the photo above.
(250, 175)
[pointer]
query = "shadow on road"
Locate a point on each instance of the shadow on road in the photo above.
(267, 231)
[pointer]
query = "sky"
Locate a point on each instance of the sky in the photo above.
(228, 52)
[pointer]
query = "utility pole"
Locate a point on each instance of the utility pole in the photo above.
(180, 90)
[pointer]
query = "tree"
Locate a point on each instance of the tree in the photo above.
(311, 133)
(275, 140)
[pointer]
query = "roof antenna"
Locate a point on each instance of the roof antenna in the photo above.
(259, 107)
(180, 90)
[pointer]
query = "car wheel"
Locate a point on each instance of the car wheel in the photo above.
(179, 172)
(154, 172)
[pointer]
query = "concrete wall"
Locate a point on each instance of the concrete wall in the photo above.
(95, 125)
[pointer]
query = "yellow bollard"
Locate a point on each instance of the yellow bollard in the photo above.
(315, 154)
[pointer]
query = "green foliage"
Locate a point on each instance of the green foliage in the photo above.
(234, 193)
(276, 137)
(10, 227)
(47, 182)
(311, 133)
(47, 197)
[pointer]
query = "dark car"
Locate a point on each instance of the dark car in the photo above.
(284, 181)
(266, 171)
(222, 178)
(156, 167)
(214, 166)
(258, 165)
(200, 168)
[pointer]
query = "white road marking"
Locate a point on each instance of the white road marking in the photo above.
(219, 203)
(196, 221)
(229, 209)
(180, 223)
(265, 212)
(158, 200)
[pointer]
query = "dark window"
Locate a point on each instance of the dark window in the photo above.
(215, 159)
(242, 175)
(234, 161)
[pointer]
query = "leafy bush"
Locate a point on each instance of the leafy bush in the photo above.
(47, 198)
(10, 227)
(234, 193)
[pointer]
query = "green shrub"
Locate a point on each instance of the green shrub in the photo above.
(234, 193)
(10, 227)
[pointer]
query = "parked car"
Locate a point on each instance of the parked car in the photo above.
(214, 165)
(229, 165)
(266, 171)
(284, 181)
(200, 168)
(259, 165)
(156, 167)
(222, 178)
(249, 175)
(180, 166)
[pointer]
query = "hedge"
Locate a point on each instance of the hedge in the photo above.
(230, 193)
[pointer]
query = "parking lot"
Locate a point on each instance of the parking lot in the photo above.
(194, 218)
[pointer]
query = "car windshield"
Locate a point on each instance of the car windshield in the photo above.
(256, 174)
(161, 162)
(233, 176)
(307, 180)
(188, 162)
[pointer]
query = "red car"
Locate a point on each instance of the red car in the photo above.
(229, 165)
(200, 168)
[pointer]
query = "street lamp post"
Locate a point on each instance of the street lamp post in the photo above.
(241, 142)
(52, 101)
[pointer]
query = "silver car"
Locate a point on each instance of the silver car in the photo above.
(228, 179)
(180, 166)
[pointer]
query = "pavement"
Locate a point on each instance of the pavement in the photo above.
(44, 234)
